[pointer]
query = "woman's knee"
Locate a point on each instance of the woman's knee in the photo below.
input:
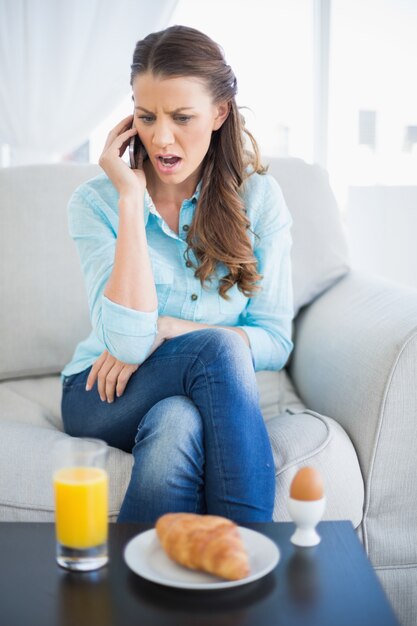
(172, 422)
(169, 448)
(225, 344)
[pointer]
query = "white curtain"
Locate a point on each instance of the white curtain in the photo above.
(64, 66)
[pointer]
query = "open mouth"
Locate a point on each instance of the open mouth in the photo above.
(169, 161)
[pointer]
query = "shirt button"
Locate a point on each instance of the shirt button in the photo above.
(194, 296)
(188, 264)
(186, 227)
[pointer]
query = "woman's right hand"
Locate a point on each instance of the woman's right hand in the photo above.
(111, 375)
(129, 182)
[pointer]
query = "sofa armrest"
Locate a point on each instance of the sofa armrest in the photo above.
(355, 360)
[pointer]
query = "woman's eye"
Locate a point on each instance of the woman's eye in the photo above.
(183, 119)
(146, 118)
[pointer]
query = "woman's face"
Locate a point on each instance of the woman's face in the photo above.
(175, 118)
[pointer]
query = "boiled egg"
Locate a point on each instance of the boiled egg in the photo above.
(307, 484)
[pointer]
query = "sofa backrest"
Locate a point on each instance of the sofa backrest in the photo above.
(320, 253)
(44, 312)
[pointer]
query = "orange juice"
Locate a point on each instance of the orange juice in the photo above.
(81, 506)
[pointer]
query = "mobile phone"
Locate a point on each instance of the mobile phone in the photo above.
(137, 152)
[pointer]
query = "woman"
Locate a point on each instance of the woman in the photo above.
(186, 263)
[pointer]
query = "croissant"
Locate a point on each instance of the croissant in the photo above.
(204, 542)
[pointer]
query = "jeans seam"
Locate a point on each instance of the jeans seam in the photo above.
(217, 447)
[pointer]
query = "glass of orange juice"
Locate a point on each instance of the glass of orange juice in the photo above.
(81, 503)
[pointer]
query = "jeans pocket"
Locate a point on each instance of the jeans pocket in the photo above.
(67, 382)
(79, 378)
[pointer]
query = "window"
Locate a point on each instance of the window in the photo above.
(372, 93)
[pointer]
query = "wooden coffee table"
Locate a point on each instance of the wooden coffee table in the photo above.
(332, 584)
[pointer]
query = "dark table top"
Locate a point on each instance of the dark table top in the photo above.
(332, 584)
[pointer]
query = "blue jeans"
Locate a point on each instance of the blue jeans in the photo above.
(190, 416)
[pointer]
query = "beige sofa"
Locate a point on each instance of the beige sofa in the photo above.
(346, 403)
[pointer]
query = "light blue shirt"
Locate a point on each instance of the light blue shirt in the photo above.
(128, 334)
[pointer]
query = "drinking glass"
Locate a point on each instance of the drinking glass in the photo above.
(81, 503)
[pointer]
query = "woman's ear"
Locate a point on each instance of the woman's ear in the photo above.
(222, 112)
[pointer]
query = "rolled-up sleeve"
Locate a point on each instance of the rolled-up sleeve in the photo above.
(126, 333)
(267, 318)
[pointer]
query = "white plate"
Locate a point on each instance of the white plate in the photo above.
(146, 557)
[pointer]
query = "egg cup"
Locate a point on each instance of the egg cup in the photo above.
(306, 514)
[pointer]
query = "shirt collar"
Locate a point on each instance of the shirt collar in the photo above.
(149, 206)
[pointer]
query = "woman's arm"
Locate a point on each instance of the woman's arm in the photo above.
(114, 254)
(131, 281)
(267, 317)
(173, 327)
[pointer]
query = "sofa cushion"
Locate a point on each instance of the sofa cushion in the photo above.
(30, 421)
(308, 438)
(26, 468)
(301, 437)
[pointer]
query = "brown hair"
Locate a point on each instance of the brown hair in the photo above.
(218, 232)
